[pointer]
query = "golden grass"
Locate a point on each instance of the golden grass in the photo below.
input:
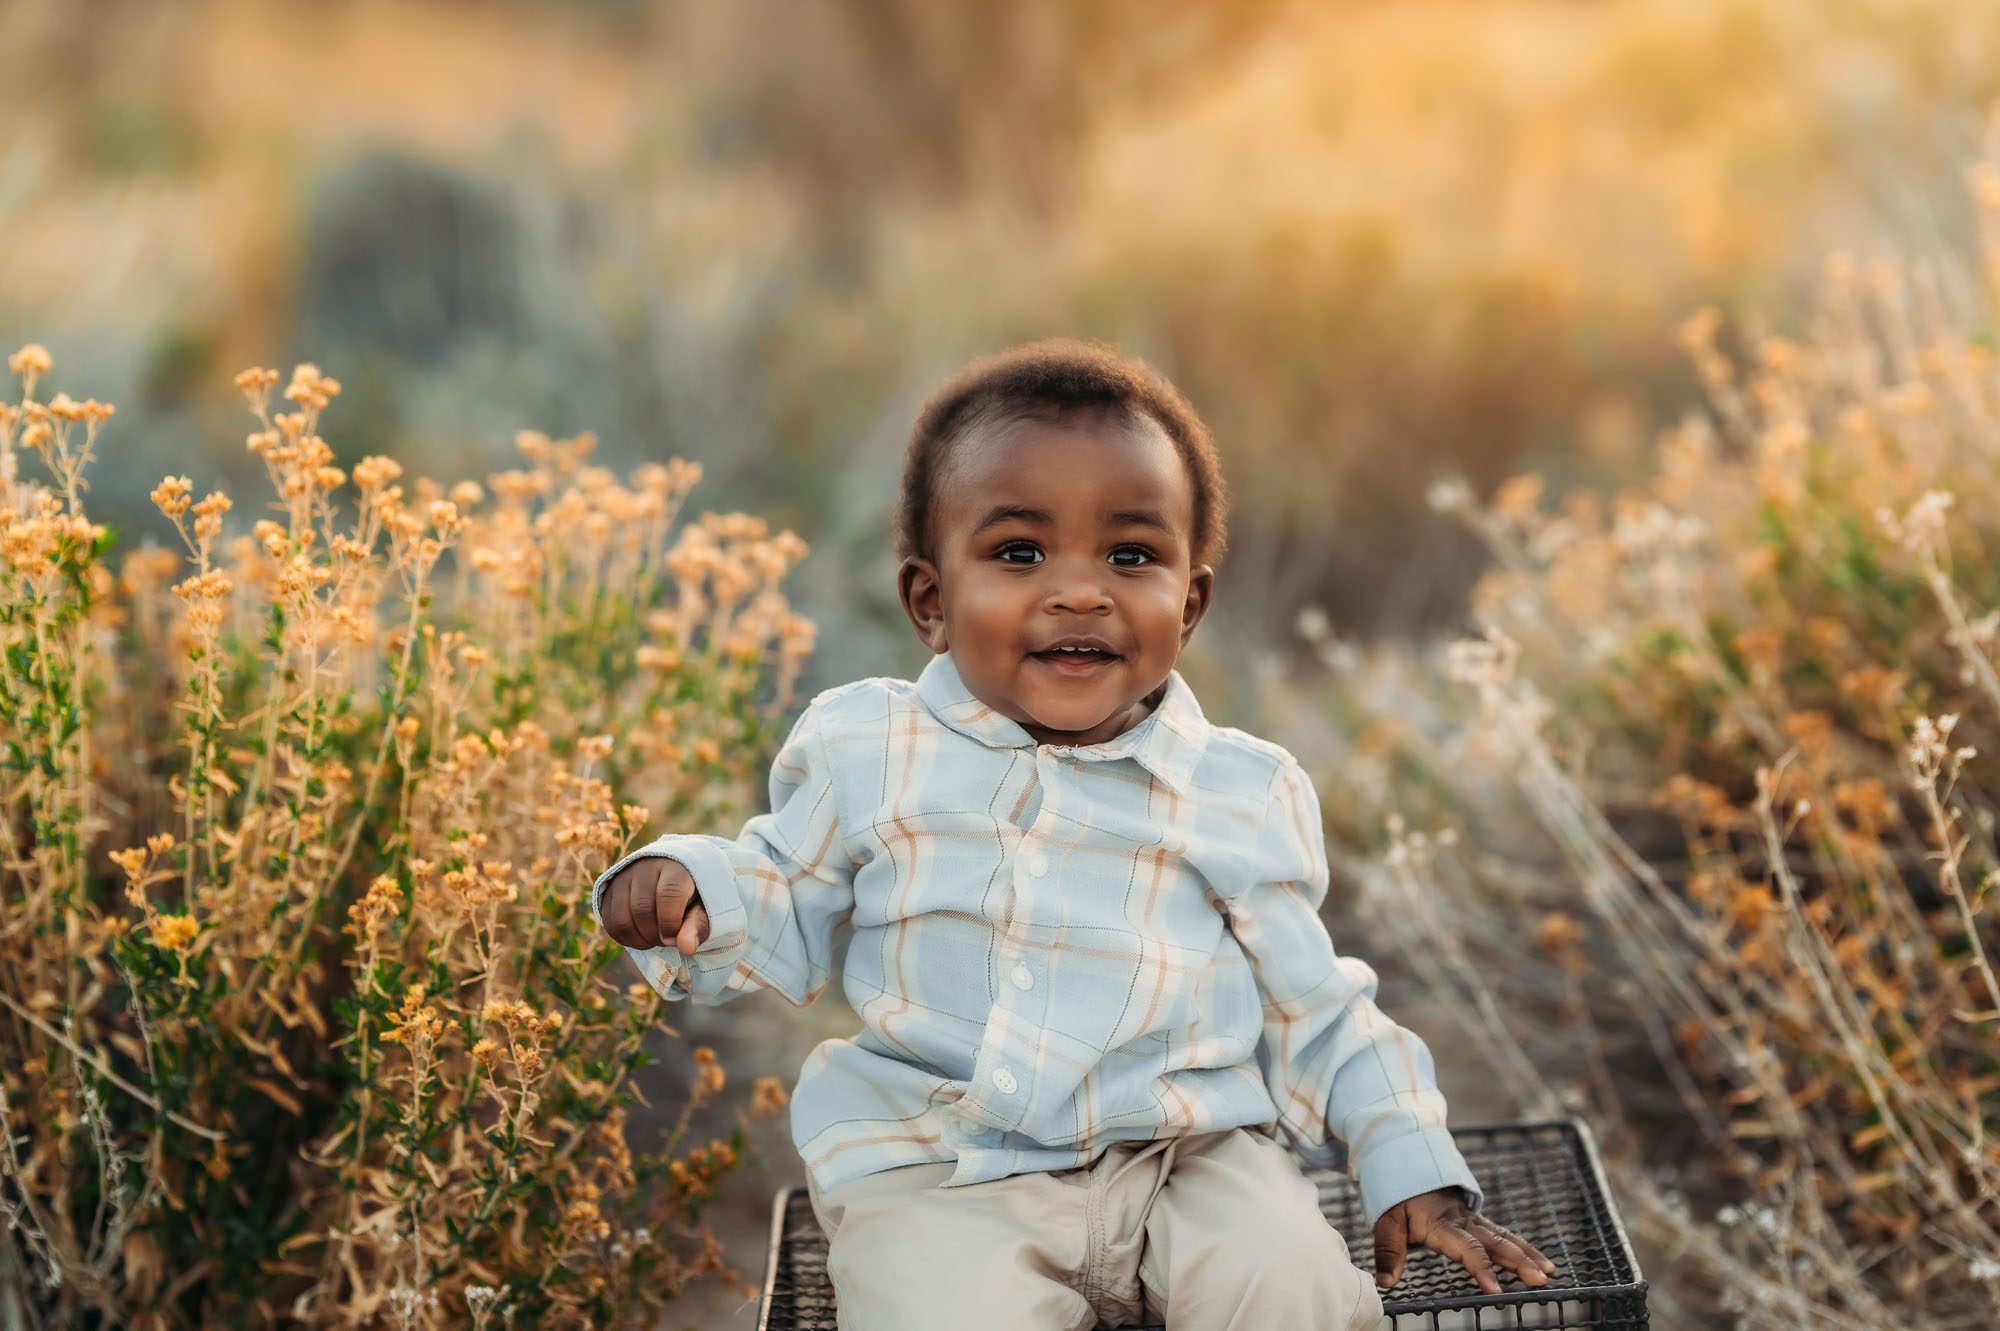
(1751, 706)
(305, 1017)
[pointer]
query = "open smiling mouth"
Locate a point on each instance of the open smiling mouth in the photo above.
(1076, 661)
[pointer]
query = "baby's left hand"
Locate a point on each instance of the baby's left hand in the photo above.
(1441, 1222)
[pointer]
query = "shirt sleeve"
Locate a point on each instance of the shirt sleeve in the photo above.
(775, 895)
(1334, 1064)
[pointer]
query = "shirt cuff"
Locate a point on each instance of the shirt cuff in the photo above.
(674, 975)
(1413, 1164)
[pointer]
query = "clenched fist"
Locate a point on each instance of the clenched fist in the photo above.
(652, 903)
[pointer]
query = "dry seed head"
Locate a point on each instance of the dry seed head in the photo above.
(30, 361)
(373, 471)
(171, 495)
(311, 388)
(445, 517)
(365, 916)
(796, 633)
(1558, 933)
(767, 1096)
(1922, 525)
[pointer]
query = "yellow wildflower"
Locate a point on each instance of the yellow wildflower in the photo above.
(175, 932)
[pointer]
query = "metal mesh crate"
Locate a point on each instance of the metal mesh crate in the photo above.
(1542, 1180)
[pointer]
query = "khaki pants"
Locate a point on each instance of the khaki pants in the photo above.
(1199, 1233)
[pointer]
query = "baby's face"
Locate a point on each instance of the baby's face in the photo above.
(1046, 533)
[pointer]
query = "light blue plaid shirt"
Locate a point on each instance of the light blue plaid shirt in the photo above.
(1052, 948)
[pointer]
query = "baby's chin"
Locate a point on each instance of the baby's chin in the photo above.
(1082, 712)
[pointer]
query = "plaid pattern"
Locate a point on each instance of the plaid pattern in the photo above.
(1052, 948)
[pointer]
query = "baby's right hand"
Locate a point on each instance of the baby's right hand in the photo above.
(652, 903)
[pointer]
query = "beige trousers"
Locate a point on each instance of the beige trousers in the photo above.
(1198, 1233)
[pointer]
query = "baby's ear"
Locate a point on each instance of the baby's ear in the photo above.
(1201, 589)
(921, 591)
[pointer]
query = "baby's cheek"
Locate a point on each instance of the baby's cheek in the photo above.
(1163, 604)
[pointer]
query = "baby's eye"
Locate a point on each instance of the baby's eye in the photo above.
(1145, 555)
(1008, 549)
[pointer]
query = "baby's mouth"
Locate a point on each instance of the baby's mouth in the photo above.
(1076, 661)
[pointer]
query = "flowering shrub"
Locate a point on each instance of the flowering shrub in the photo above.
(1753, 703)
(304, 1016)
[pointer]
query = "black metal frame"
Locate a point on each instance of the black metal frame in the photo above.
(1542, 1179)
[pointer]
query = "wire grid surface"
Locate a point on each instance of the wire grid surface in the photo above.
(1542, 1180)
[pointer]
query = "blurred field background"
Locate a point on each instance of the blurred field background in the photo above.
(1375, 242)
(1383, 246)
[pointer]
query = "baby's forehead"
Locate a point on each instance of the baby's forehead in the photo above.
(1112, 467)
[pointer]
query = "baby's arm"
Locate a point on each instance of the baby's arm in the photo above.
(1332, 1060)
(775, 895)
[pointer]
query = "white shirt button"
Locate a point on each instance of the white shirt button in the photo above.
(1023, 977)
(1038, 864)
(1003, 1080)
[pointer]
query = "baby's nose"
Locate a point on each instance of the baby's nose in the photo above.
(1080, 596)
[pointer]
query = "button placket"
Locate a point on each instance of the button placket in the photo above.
(1032, 867)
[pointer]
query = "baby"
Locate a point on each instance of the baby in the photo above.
(1079, 922)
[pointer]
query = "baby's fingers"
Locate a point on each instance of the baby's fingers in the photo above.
(1392, 1244)
(1513, 1252)
(694, 930)
(643, 895)
(1465, 1248)
(616, 910)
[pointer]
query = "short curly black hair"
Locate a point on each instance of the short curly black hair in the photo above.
(1057, 380)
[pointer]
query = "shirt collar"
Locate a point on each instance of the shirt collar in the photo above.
(1168, 742)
